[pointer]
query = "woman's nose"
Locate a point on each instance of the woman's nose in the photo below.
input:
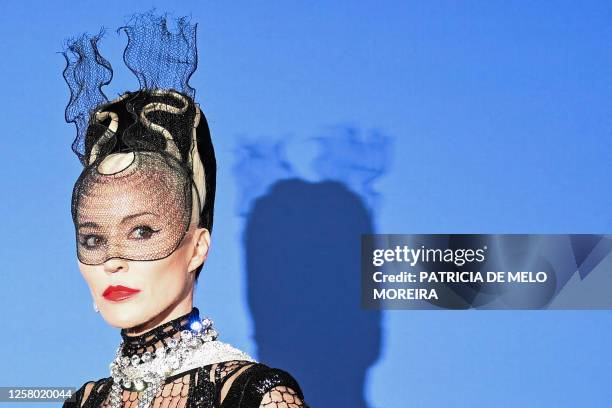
(115, 265)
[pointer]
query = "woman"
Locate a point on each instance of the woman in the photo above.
(143, 215)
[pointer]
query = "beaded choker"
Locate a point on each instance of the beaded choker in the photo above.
(160, 335)
(140, 366)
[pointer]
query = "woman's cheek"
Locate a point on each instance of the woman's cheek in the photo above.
(164, 281)
(93, 278)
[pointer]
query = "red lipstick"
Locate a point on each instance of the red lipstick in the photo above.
(118, 293)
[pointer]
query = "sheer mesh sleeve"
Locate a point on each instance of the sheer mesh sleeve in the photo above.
(83, 394)
(282, 397)
(75, 400)
(261, 386)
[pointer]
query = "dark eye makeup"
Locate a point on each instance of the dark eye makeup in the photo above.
(142, 232)
(91, 241)
(95, 241)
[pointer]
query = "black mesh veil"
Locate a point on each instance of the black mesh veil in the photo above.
(159, 58)
(86, 73)
(149, 163)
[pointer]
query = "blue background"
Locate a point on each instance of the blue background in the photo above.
(497, 116)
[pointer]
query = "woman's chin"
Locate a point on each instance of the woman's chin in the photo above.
(124, 315)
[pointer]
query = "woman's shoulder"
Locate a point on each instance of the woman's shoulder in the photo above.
(241, 384)
(88, 389)
(249, 384)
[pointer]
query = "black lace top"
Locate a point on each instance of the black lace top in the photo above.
(230, 384)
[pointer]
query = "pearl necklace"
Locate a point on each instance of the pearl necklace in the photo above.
(149, 372)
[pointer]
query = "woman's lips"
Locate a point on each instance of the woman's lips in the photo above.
(117, 293)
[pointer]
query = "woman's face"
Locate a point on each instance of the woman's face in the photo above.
(158, 285)
(132, 246)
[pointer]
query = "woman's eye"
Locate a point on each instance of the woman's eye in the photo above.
(91, 241)
(142, 232)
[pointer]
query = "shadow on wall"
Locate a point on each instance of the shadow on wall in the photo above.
(302, 243)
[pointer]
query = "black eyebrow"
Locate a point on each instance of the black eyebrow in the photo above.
(88, 224)
(126, 218)
(129, 217)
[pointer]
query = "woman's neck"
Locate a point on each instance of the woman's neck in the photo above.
(159, 336)
(172, 312)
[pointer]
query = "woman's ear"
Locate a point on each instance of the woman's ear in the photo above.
(201, 244)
